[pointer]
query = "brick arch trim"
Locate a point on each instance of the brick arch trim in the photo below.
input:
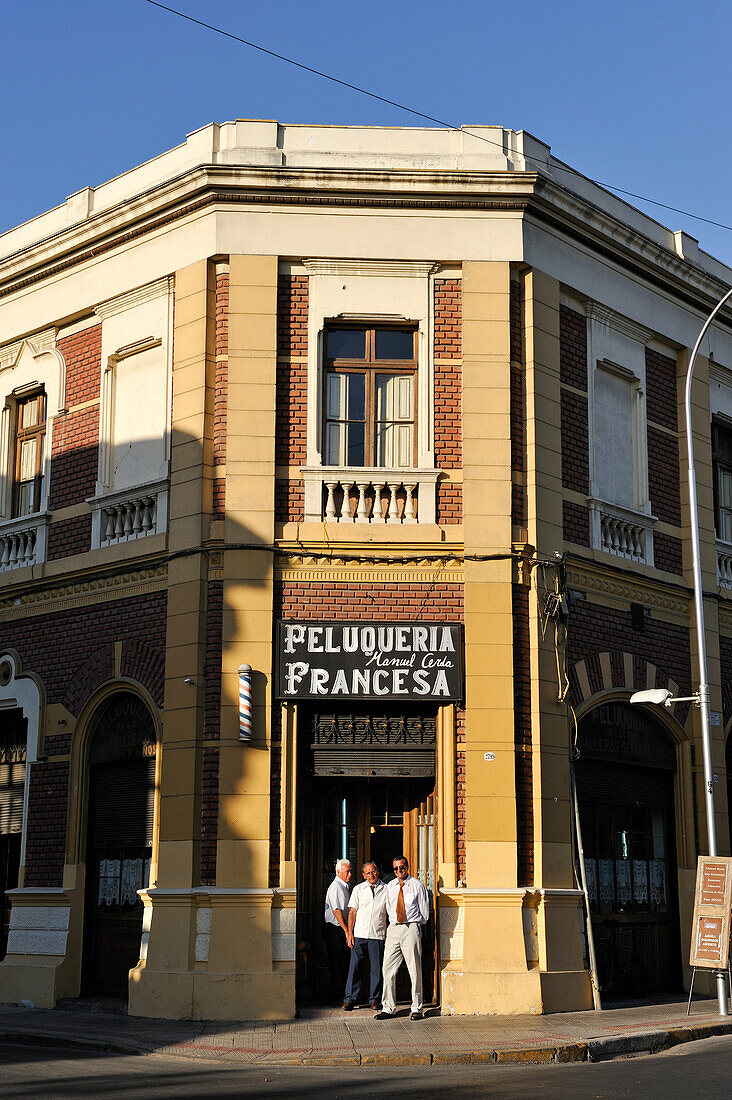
(140, 662)
(145, 664)
(89, 675)
(616, 670)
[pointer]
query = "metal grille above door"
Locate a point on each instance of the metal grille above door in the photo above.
(391, 743)
(13, 739)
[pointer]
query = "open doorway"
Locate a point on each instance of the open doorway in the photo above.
(359, 819)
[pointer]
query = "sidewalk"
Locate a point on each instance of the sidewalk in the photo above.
(347, 1039)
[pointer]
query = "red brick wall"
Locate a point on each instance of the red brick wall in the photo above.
(575, 523)
(460, 801)
(63, 648)
(575, 445)
(661, 395)
(47, 811)
(519, 505)
(572, 348)
(211, 732)
(74, 457)
(667, 553)
(82, 354)
(594, 629)
(522, 736)
(291, 387)
(448, 321)
(221, 381)
(68, 537)
(448, 330)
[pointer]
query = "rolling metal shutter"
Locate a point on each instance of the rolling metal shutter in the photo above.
(390, 743)
(122, 804)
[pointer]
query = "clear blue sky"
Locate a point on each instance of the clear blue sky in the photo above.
(631, 93)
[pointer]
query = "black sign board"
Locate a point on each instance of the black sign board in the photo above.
(367, 660)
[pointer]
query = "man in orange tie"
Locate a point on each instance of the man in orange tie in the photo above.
(408, 908)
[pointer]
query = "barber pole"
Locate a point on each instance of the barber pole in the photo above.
(246, 726)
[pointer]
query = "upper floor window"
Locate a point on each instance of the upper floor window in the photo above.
(722, 458)
(30, 439)
(369, 399)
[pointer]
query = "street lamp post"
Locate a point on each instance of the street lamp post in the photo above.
(701, 698)
(701, 641)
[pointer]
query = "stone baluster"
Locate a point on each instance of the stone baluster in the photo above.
(409, 503)
(393, 513)
(5, 560)
(362, 508)
(330, 508)
(136, 506)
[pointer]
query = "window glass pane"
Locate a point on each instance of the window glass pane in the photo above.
(333, 391)
(355, 452)
(27, 459)
(25, 498)
(725, 525)
(346, 343)
(725, 488)
(392, 343)
(356, 384)
(28, 413)
(332, 456)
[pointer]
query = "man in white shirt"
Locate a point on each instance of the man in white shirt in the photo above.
(366, 932)
(336, 927)
(408, 908)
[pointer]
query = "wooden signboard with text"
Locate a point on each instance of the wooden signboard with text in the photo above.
(710, 929)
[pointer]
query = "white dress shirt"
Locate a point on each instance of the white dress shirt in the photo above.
(416, 901)
(370, 905)
(337, 898)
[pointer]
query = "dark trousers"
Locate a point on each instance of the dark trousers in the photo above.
(375, 951)
(335, 941)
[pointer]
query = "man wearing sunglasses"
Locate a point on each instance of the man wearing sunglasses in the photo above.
(408, 908)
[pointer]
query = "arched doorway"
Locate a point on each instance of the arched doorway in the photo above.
(625, 785)
(119, 841)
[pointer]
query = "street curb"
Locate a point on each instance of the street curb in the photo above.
(591, 1050)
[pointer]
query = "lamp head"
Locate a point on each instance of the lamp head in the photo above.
(660, 696)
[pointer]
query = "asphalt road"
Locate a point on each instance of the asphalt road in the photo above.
(702, 1069)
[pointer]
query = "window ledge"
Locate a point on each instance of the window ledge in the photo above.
(129, 514)
(623, 532)
(370, 494)
(23, 540)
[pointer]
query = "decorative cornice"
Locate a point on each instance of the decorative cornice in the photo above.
(611, 591)
(137, 297)
(370, 268)
(64, 597)
(37, 344)
(339, 570)
(616, 321)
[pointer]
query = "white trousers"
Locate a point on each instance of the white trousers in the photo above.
(403, 942)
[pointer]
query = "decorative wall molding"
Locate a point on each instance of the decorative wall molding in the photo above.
(616, 321)
(610, 591)
(136, 297)
(370, 267)
(97, 590)
(337, 570)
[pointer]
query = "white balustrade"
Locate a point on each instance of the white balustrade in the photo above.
(23, 542)
(622, 532)
(370, 496)
(123, 517)
(724, 564)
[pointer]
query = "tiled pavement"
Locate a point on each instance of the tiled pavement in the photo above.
(332, 1037)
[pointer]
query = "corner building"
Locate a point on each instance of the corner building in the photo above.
(326, 402)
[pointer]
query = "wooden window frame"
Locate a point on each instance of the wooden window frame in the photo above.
(22, 435)
(370, 367)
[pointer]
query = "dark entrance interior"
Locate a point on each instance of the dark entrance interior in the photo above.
(359, 817)
(13, 740)
(119, 842)
(625, 785)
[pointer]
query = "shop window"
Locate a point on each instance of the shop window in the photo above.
(29, 448)
(370, 399)
(722, 458)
